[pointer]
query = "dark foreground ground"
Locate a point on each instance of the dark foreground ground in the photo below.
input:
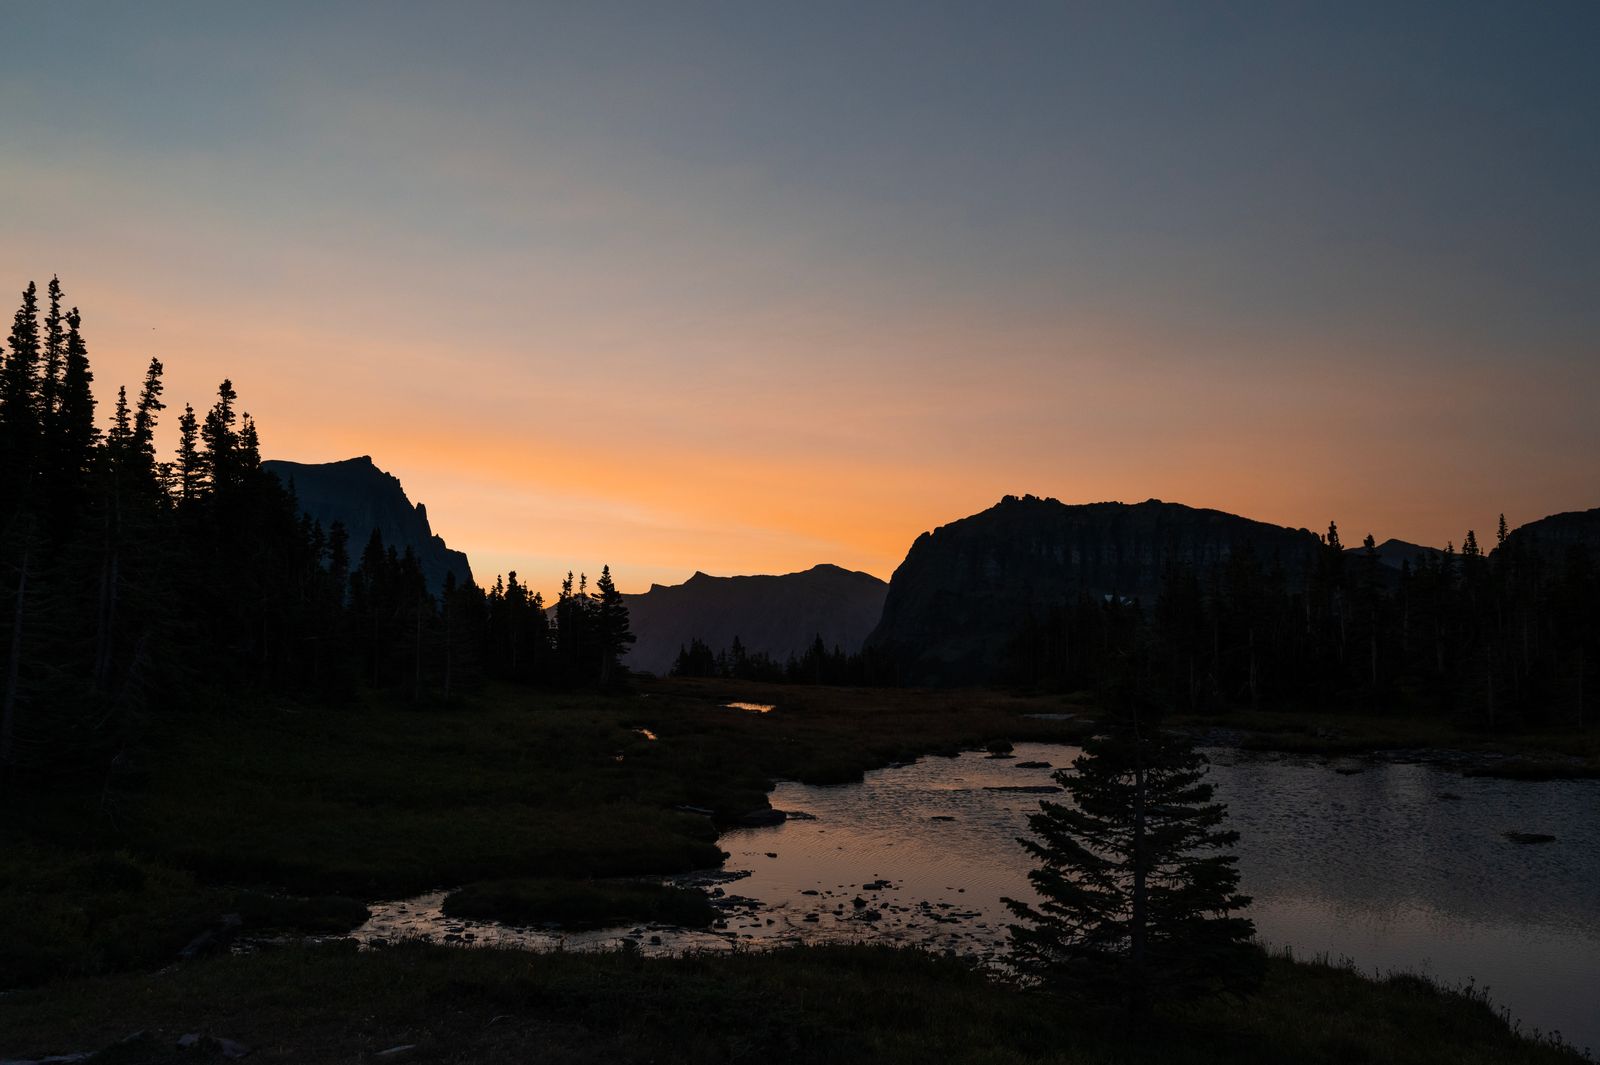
(292, 817)
(825, 1005)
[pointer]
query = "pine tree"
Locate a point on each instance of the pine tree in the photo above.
(142, 448)
(1139, 899)
(19, 394)
(221, 441)
(611, 625)
(189, 466)
(120, 438)
(75, 425)
(55, 352)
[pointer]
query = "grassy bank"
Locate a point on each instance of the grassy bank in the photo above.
(387, 800)
(838, 1004)
(1528, 755)
(284, 814)
(284, 817)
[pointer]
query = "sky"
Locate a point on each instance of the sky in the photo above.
(748, 287)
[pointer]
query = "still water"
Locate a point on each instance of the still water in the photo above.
(1394, 866)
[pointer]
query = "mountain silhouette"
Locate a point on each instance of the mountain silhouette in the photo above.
(1394, 553)
(1553, 535)
(358, 493)
(778, 615)
(956, 600)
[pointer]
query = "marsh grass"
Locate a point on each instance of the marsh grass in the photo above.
(818, 1004)
(290, 815)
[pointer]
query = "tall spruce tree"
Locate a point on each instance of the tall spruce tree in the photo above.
(188, 465)
(75, 412)
(1139, 900)
(142, 449)
(220, 458)
(55, 352)
(19, 394)
(611, 626)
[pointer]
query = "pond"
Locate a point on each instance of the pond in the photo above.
(1394, 866)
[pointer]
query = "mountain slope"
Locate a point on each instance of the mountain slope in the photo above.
(1394, 553)
(776, 614)
(953, 604)
(1554, 534)
(364, 497)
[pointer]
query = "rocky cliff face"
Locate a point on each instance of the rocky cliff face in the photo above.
(953, 604)
(779, 615)
(362, 496)
(1553, 535)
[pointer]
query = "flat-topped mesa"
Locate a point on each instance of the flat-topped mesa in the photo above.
(362, 496)
(953, 603)
(778, 615)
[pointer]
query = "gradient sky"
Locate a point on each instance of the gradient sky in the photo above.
(748, 287)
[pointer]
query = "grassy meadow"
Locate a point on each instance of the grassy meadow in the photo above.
(819, 1004)
(293, 816)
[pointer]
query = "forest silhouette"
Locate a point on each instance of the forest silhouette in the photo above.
(137, 583)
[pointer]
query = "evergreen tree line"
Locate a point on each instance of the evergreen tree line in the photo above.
(1507, 639)
(815, 665)
(134, 584)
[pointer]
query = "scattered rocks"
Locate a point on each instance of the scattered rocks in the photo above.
(941, 817)
(762, 818)
(1032, 765)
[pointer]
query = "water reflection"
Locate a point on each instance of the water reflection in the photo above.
(1392, 865)
(754, 708)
